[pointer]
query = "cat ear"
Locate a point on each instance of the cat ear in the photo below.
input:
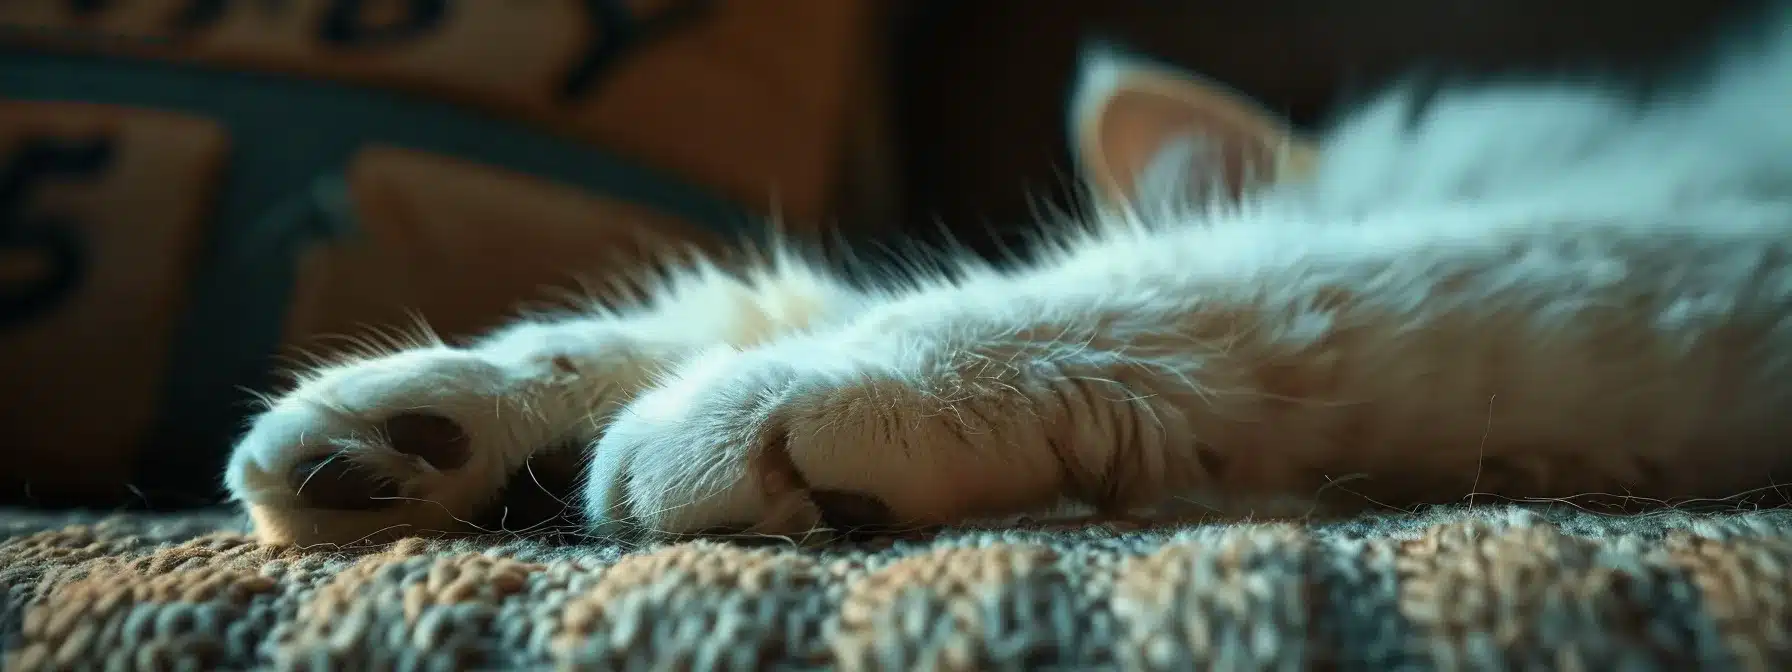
(1143, 132)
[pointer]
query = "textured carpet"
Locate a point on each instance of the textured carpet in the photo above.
(1489, 588)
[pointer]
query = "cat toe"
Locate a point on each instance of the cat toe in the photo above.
(808, 454)
(339, 482)
(405, 445)
(334, 483)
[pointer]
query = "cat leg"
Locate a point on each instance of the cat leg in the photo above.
(1216, 361)
(933, 409)
(426, 439)
(942, 406)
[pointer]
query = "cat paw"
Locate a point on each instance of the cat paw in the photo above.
(424, 441)
(788, 441)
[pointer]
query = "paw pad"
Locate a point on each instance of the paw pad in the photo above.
(336, 484)
(438, 440)
(853, 513)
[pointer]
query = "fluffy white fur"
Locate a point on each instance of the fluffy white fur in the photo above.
(1533, 290)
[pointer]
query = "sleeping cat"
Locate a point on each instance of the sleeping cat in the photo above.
(1522, 290)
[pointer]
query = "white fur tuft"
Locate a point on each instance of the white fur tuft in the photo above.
(1723, 131)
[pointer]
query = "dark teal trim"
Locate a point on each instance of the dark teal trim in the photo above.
(290, 138)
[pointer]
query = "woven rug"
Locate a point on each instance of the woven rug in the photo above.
(1484, 588)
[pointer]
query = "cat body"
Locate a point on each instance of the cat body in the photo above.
(1526, 291)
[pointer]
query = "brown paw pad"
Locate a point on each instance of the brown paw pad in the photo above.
(854, 514)
(334, 483)
(438, 440)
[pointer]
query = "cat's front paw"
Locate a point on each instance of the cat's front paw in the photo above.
(790, 439)
(426, 441)
(408, 443)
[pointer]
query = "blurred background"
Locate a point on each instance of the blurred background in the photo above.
(190, 189)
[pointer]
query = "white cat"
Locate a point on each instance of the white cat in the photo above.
(1534, 290)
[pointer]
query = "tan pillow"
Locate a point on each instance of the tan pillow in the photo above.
(102, 210)
(748, 97)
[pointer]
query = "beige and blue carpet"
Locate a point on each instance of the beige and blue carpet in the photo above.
(1452, 589)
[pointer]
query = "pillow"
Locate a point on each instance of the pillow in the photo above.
(192, 190)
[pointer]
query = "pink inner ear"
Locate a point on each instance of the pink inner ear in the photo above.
(1227, 159)
(1143, 119)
